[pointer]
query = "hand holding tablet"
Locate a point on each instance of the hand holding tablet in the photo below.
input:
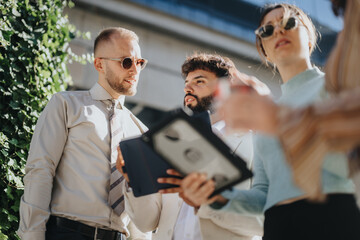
(185, 144)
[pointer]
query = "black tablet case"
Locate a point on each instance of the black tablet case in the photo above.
(144, 165)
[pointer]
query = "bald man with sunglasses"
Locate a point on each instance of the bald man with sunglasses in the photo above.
(72, 188)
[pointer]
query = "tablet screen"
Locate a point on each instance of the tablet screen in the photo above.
(188, 151)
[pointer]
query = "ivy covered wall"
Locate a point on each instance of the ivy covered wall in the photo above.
(34, 39)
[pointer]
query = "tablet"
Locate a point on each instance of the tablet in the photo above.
(187, 144)
(144, 167)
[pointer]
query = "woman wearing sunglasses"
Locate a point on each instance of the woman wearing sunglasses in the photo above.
(286, 38)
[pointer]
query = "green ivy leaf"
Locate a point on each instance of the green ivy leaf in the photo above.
(3, 236)
(15, 12)
(12, 218)
(71, 4)
(4, 152)
(34, 39)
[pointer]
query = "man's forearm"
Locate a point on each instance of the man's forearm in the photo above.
(144, 211)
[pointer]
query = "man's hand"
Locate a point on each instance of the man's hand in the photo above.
(197, 189)
(121, 163)
(171, 180)
(175, 181)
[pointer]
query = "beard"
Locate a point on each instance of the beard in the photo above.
(203, 104)
(118, 85)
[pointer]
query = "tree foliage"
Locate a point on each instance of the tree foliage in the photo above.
(34, 39)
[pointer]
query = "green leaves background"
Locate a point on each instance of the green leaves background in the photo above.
(34, 41)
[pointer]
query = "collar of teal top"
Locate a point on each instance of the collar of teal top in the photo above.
(301, 79)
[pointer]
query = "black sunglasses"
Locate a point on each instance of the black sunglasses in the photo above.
(267, 30)
(127, 62)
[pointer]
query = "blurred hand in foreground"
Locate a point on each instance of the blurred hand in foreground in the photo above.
(245, 104)
(240, 79)
(246, 110)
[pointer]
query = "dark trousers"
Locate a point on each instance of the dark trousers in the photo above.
(336, 219)
(54, 232)
(59, 228)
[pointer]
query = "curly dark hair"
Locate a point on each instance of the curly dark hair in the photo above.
(208, 62)
(338, 7)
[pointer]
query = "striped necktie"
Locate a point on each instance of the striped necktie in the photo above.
(116, 197)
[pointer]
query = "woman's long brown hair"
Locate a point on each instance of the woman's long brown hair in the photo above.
(343, 68)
